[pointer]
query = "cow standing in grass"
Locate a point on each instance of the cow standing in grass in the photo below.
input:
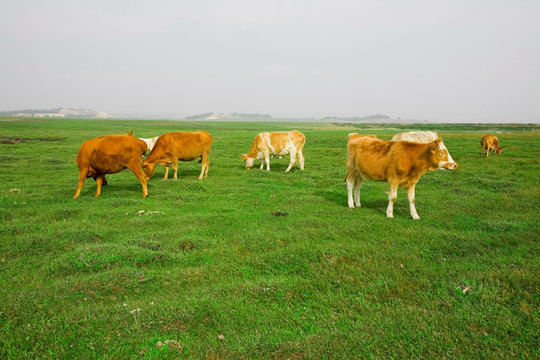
(109, 155)
(490, 143)
(183, 146)
(399, 163)
(279, 144)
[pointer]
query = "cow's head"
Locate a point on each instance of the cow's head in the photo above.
(440, 156)
(148, 169)
(498, 150)
(249, 161)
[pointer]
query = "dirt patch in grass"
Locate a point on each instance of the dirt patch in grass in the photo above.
(16, 140)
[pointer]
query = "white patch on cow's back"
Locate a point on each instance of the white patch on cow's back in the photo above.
(271, 149)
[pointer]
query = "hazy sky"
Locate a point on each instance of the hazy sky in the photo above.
(445, 61)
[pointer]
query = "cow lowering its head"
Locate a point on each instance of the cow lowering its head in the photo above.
(279, 144)
(108, 155)
(399, 163)
(183, 146)
(490, 143)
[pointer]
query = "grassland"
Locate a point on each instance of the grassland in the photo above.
(208, 265)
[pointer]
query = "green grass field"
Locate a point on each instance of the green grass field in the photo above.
(209, 266)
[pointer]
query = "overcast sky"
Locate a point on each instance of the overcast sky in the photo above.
(444, 61)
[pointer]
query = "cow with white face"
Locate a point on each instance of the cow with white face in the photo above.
(278, 144)
(400, 163)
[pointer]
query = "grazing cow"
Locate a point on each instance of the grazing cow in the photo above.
(109, 155)
(279, 144)
(399, 163)
(422, 137)
(150, 142)
(183, 146)
(490, 142)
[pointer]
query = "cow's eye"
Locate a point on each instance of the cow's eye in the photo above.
(442, 152)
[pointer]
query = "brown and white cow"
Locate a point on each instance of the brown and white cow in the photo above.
(150, 142)
(108, 155)
(490, 142)
(183, 146)
(276, 143)
(422, 137)
(399, 163)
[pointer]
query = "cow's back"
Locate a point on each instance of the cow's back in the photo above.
(422, 137)
(101, 151)
(184, 145)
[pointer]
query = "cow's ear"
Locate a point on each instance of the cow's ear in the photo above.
(435, 145)
(244, 157)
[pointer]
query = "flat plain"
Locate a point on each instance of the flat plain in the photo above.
(205, 269)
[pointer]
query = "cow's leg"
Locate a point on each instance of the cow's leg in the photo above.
(80, 183)
(392, 195)
(350, 179)
(410, 195)
(99, 182)
(137, 171)
(301, 159)
(488, 149)
(357, 186)
(266, 156)
(204, 169)
(292, 160)
(175, 168)
(166, 176)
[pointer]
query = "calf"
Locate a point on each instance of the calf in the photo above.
(422, 137)
(183, 146)
(108, 155)
(150, 142)
(276, 143)
(490, 142)
(399, 163)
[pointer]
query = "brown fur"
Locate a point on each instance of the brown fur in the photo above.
(183, 146)
(400, 163)
(489, 143)
(109, 155)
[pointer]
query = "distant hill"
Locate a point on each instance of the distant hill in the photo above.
(226, 116)
(59, 113)
(370, 118)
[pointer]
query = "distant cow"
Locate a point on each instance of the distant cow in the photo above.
(399, 163)
(108, 155)
(183, 146)
(422, 137)
(150, 142)
(276, 143)
(490, 142)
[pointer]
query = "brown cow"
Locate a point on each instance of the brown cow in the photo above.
(276, 143)
(183, 146)
(490, 142)
(399, 163)
(109, 155)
